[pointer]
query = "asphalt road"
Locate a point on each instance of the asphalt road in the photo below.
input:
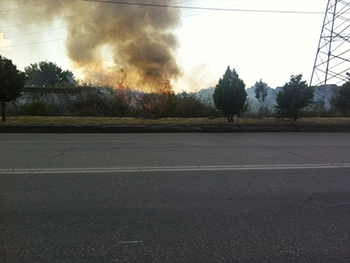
(270, 197)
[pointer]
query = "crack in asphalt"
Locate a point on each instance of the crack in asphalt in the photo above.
(296, 154)
(289, 152)
(51, 158)
(58, 155)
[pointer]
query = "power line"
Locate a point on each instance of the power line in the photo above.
(117, 2)
(14, 3)
(70, 26)
(206, 8)
(26, 7)
(49, 20)
(39, 42)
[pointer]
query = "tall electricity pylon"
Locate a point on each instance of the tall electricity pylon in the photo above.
(333, 53)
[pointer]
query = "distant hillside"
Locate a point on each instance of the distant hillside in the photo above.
(206, 93)
(323, 95)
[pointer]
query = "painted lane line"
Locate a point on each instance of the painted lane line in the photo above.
(174, 168)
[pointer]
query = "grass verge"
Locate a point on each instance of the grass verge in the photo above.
(109, 121)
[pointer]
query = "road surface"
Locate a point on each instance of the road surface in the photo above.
(270, 197)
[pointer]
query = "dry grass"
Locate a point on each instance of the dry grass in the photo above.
(108, 121)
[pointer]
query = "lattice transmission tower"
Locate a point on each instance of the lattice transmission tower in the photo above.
(333, 53)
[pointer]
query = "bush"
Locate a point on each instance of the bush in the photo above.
(103, 102)
(188, 105)
(341, 100)
(294, 96)
(119, 105)
(92, 105)
(155, 105)
(36, 108)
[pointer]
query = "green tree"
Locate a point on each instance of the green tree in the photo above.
(261, 89)
(11, 83)
(230, 95)
(341, 99)
(294, 96)
(48, 74)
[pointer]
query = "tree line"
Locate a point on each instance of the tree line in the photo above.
(296, 95)
(230, 96)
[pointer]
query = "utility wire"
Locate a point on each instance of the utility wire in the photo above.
(206, 8)
(15, 2)
(27, 7)
(65, 27)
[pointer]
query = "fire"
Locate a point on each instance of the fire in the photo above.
(166, 88)
(108, 73)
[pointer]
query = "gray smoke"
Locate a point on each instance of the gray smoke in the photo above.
(136, 40)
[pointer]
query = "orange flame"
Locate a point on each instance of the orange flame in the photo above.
(166, 88)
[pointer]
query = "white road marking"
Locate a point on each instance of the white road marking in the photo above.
(174, 168)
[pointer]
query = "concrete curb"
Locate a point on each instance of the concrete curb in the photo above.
(171, 129)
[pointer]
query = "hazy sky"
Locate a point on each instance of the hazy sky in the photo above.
(259, 45)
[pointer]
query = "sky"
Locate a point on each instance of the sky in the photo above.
(203, 43)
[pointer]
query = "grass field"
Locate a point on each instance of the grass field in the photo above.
(109, 121)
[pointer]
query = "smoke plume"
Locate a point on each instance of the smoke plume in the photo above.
(111, 43)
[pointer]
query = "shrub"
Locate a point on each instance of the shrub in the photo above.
(189, 105)
(119, 105)
(294, 96)
(36, 108)
(156, 105)
(341, 100)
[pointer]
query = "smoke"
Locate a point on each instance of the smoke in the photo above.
(111, 43)
(4, 43)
